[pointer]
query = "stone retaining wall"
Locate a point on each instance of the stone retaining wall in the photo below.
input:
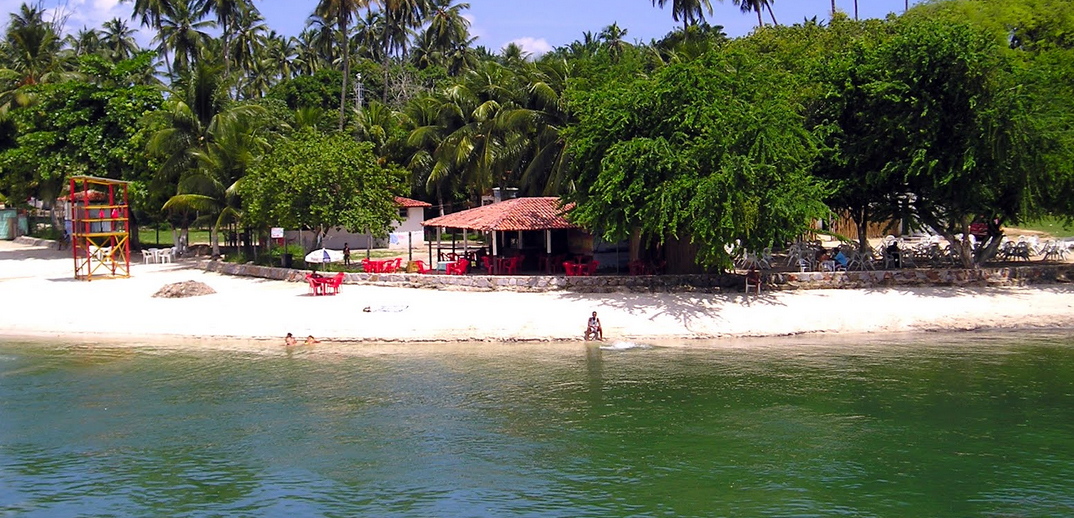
(1007, 276)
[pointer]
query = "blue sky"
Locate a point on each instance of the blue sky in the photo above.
(537, 25)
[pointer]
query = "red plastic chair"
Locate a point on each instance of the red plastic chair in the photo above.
(589, 268)
(458, 267)
(419, 267)
(511, 267)
(316, 284)
(487, 262)
(333, 283)
(570, 268)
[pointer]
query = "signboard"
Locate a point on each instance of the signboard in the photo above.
(276, 233)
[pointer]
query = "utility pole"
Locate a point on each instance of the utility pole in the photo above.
(358, 92)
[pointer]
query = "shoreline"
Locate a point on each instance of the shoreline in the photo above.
(44, 302)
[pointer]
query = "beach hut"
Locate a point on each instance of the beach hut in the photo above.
(533, 228)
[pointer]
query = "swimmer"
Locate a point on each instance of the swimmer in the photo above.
(310, 340)
(289, 340)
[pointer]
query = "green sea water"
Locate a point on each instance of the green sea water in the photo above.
(929, 426)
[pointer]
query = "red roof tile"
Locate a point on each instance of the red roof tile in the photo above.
(515, 214)
(408, 203)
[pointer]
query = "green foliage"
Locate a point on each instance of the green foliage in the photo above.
(712, 150)
(321, 90)
(79, 127)
(316, 181)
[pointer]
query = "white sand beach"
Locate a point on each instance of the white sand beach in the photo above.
(41, 299)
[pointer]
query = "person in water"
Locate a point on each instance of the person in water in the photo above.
(593, 328)
(310, 340)
(289, 340)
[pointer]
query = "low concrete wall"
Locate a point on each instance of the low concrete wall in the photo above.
(1008, 276)
(33, 241)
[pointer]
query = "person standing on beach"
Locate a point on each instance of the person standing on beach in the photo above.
(593, 328)
(347, 254)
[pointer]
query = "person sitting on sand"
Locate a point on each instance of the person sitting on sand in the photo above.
(593, 328)
(289, 340)
(310, 340)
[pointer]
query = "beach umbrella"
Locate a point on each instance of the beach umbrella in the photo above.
(324, 255)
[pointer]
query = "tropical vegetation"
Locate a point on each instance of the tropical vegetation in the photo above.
(950, 113)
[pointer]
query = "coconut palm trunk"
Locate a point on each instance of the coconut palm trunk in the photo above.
(346, 70)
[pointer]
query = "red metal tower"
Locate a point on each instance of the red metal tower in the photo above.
(100, 228)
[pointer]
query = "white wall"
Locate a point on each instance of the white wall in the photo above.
(336, 238)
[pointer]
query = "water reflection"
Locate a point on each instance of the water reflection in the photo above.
(945, 427)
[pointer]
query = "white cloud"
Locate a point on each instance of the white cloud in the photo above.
(535, 46)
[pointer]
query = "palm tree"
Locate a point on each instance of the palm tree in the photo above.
(183, 32)
(152, 14)
(342, 11)
(855, 9)
(367, 31)
(33, 44)
(228, 13)
(399, 17)
(279, 55)
(748, 6)
(87, 41)
(118, 40)
(247, 45)
(612, 36)
(689, 11)
(447, 26)
(307, 54)
(547, 162)
(833, 8)
(204, 146)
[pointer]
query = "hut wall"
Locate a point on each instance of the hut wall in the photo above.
(845, 226)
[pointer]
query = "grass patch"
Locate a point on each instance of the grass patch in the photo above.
(1051, 226)
(148, 237)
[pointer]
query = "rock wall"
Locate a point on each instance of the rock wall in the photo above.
(1007, 276)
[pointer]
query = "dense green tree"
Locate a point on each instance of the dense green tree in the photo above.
(712, 151)
(319, 182)
(81, 127)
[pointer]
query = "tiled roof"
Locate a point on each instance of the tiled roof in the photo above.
(515, 214)
(408, 203)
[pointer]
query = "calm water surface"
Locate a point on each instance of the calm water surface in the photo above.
(965, 425)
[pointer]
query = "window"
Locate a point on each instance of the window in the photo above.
(403, 213)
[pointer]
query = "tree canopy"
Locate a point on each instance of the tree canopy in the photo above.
(318, 181)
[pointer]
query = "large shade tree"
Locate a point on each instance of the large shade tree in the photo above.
(320, 182)
(712, 151)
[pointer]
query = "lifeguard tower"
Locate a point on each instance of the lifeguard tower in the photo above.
(100, 233)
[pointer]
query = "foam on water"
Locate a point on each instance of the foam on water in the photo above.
(624, 346)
